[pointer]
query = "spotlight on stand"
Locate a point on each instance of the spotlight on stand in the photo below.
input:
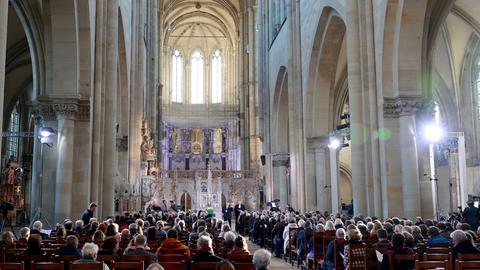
(433, 133)
(46, 134)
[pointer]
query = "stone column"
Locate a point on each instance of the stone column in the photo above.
(36, 168)
(410, 172)
(111, 73)
(356, 109)
(280, 163)
(334, 180)
(323, 182)
(3, 52)
(64, 174)
(295, 108)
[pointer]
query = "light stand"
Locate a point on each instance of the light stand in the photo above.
(45, 135)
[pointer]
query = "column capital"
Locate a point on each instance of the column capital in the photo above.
(318, 144)
(407, 105)
(53, 109)
(280, 159)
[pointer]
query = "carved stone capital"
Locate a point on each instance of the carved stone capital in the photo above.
(281, 160)
(407, 105)
(53, 109)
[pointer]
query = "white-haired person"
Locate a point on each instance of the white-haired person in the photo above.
(24, 235)
(261, 259)
(37, 229)
(89, 255)
(461, 244)
(155, 266)
(229, 239)
(205, 252)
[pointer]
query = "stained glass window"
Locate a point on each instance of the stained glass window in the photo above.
(177, 74)
(196, 77)
(217, 77)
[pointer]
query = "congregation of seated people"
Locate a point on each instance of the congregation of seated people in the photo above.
(170, 240)
(316, 240)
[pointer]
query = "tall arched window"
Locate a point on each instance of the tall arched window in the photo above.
(177, 74)
(196, 77)
(13, 126)
(216, 77)
(477, 80)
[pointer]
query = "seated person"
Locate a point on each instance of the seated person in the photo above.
(461, 244)
(398, 247)
(140, 243)
(305, 239)
(172, 245)
(240, 247)
(89, 255)
(155, 266)
(261, 259)
(34, 245)
(151, 234)
(71, 247)
(383, 242)
(329, 261)
(229, 240)
(8, 240)
(435, 237)
(205, 252)
(24, 235)
(354, 237)
(37, 229)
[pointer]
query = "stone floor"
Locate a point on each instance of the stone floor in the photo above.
(276, 263)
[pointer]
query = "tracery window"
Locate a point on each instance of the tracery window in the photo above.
(196, 78)
(177, 76)
(216, 77)
(13, 126)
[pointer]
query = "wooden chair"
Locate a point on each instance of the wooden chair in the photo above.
(173, 265)
(66, 258)
(469, 257)
(31, 258)
(170, 257)
(420, 265)
(460, 265)
(105, 258)
(11, 266)
(437, 250)
(401, 259)
(292, 244)
(86, 266)
(203, 265)
(338, 259)
(371, 261)
(356, 254)
(318, 242)
(128, 265)
(240, 258)
(46, 266)
(437, 257)
(244, 266)
(146, 259)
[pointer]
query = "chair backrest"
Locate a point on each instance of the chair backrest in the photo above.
(357, 256)
(172, 251)
(244, 266)
(420, 265)
(46, 266)
(326, 239)
(146, 259)
(371, 260)
(105, 258)
(401, 259)
(203, 265)
(86, 266)
(31, 258)
(170, 257)
(11, 266)
(66, 258)
(128, 265)
(469, 257)
(445, 250)
(460, 265)
(437, 256)
(173, 265)
(240, 258)
(338, 259)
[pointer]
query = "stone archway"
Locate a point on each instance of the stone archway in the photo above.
(186, 201)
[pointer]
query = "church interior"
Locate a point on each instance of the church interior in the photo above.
(267, 109)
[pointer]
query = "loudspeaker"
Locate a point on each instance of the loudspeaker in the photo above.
(262, 159)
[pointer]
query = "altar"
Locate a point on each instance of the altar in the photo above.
(201, 189)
